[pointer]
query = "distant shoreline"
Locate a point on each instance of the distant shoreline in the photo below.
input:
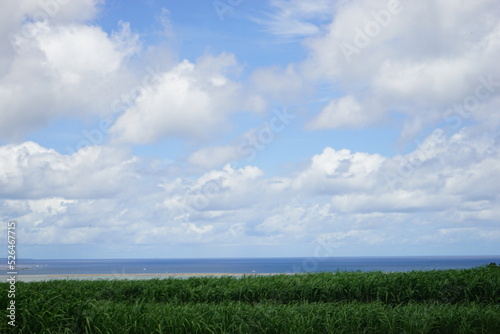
(145, 269)
(39, 278)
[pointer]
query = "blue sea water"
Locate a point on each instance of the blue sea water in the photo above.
(247, 265)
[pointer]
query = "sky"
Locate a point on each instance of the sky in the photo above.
(236, 128)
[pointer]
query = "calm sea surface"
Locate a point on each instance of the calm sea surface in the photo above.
(245, 265)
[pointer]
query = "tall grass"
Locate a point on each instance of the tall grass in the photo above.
(452, 301)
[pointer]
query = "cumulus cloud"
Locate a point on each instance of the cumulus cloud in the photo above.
(76, 51)
(352, 200)
(191, 99)
(295, 222)
(62, 67)
(210, 157)
(31, 171)
(23, 20)
(342, 112)
(416, 59)
(337, 172)
(226, 189)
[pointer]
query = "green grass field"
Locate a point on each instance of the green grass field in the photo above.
(451, 301)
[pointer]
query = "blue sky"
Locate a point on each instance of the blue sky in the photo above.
(135, 129)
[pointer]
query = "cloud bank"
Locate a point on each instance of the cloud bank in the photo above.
(428, 67)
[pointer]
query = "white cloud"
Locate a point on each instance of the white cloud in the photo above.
(341, 196)
(214, 156)
(342, 112)
(295, 17)
(280, 84)
(21, 21)
(77, 51)
(416, 58)
(189, 100)
(334, 172)
(226, 188)
(396, 201)
(64, 69)
(166, 23)
(296, 221)
(31, 171)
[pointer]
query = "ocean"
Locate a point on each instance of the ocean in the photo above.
(244, 265)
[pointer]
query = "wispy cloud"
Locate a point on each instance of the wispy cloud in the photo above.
(296, 18)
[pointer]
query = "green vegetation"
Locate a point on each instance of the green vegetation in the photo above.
(451, 301)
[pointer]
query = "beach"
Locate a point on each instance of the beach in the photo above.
(92, 277)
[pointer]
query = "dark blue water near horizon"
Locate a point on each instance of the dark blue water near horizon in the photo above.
(248, 265)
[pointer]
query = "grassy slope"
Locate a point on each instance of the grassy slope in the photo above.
(452, 301)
